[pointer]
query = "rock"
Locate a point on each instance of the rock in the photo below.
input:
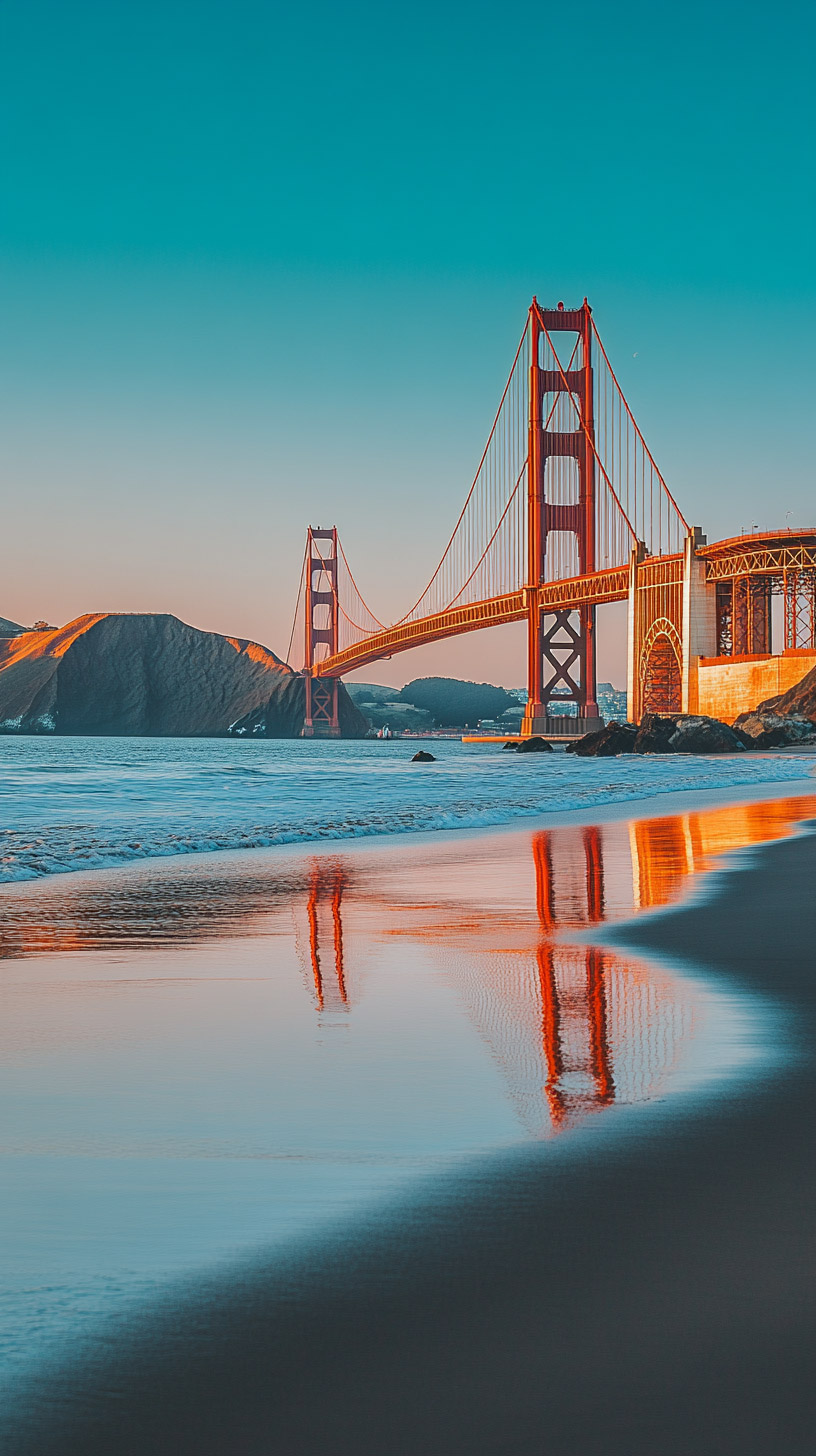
(798, 702)
(534, 745)
(615, 738)
(783, 721)
(140, 675)
(654, 733)
(685, 733)
(423, 757)
(764, 729)
(511, 745)
(697, 734)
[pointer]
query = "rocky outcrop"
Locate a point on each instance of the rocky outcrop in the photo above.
(608, 742)
(685, 733)
(133, 675)
(423, 757)
(798, 702)
(660, 733)
(655, 733)
(783, 721)
(764, 729)
(534, 745)
(694, 733)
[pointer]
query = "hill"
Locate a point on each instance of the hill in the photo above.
(142, 675)
(452, 702)
(382, 705)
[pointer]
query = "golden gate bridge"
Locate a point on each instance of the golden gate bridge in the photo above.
(567, 511)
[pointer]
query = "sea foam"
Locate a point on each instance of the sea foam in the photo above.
(88, 803)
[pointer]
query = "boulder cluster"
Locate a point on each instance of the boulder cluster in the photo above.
(763, 729)
(695, 733)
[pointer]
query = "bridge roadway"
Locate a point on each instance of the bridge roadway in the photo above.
(592, 589)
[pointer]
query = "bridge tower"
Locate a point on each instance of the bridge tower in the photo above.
(561, 644)
(321, 716)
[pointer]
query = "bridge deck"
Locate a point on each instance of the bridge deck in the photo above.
(592, 589)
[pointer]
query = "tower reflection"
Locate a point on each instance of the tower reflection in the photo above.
(504, 920)
(574, 1027)
(327, 881)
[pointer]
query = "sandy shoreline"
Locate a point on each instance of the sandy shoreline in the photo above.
(657, 1297)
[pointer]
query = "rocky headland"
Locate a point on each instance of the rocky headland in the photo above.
(149, 675)
(695, 733)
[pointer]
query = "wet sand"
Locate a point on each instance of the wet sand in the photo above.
(655, 1296)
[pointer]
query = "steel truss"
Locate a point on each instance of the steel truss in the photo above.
(747, 574)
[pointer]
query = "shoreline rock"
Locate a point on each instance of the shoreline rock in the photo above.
(766, 729)
(686, 733)
(533, 745)
(608, 742)
(661, 733)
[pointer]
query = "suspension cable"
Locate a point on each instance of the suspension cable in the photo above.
(357, 589)
(473, 486)
(635, 424)
(510, 500)
(297, 602)
(584, 426)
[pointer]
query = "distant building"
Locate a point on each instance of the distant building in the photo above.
(611, 702)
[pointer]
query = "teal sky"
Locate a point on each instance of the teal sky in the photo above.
(261, 265)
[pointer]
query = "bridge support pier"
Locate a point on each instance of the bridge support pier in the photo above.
(673, 627)
(321, 718)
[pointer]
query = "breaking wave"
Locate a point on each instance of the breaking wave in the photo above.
(84, 804)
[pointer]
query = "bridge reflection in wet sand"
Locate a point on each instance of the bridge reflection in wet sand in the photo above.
(574, 1027)
(501, 920)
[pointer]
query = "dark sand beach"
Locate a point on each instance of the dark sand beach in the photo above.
(649, 1293)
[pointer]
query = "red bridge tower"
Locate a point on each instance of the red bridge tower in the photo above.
(321, 717)
(561, 644)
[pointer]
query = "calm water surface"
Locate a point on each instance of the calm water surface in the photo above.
(221, 1053)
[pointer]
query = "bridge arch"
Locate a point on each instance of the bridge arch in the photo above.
(661, 673)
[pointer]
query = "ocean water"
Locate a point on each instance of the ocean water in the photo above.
(89, 803)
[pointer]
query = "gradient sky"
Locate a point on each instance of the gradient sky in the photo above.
(263, 264)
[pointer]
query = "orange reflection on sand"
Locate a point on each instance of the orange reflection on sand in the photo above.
(575, 1025)
(553, 999)
(602, 1027)
(573, 1028)
(666, 851)
(327, 882)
